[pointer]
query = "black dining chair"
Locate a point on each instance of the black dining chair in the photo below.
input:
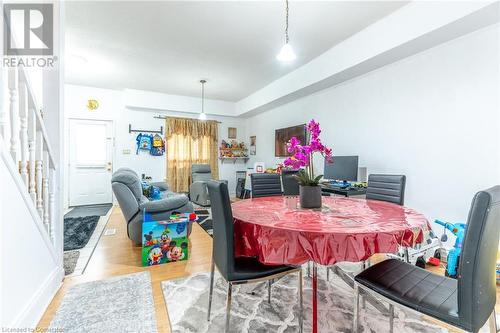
(290, 183)
(238, 270)
(390, 188)
(265, 184)
(466, 302)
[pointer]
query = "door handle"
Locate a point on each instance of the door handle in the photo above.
(109, 166)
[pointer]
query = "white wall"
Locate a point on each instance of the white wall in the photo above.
(29, 266)
(112, 106)
(433, 116)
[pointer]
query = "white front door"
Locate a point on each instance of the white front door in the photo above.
(90, 158)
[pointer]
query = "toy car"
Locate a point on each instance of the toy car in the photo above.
(421, 253)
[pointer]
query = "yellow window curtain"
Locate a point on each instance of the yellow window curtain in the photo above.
(189, 141)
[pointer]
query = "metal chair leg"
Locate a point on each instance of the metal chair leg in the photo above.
(228, 305)
(493, 322)
(211, 289)
(308, 269)
(407, 255)
(269, 283)
(301, 305)
(391, 318)
(355, 320)
(327, 273)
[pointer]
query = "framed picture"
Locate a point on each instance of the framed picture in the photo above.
(253, 145)
(231, 132)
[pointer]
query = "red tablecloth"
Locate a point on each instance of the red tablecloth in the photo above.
(345, 229)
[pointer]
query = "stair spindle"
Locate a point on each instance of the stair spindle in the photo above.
(31, 155)
(39, 172)
(14, 112)
(45, 190)
(23, 117)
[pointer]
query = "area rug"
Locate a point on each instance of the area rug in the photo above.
(78, 230)
(120, 304)
(70, 261)
(205, 220)
(187, 301)
(90, 210)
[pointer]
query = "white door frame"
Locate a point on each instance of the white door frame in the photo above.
(68, 160)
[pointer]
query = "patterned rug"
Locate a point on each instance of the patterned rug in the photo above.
(120, 304)
(187, 301)
(70, 260)
(205, 219)
(78, 230)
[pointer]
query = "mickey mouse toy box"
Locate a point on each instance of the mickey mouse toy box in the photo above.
(165, 241)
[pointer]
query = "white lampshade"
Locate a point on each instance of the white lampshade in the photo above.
(286, 54)
(202, 116)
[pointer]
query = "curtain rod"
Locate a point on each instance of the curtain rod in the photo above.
(165, 117)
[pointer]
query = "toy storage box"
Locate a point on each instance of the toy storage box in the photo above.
(164, 241)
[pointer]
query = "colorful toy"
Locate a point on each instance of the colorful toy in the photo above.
(165, 241)
(427, 252)
(458, 229)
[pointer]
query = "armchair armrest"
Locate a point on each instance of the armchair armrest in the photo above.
(163, 186)
(167, 204)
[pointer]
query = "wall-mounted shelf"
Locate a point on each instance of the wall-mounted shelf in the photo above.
(244, 158)
(243, 149)
(130, 130)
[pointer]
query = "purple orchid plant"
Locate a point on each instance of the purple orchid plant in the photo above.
(302, 155)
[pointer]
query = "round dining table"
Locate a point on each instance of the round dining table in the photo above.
(277, 232)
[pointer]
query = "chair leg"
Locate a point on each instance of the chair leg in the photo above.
(269, 283)
(355, 320)
(407, 255)
(327, 273)
(301, 305)
(493, 322)
(391, 318)
(211, 289)
(228, 305)
(308, 269)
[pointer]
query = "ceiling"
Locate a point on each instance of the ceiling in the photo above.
(169, 46)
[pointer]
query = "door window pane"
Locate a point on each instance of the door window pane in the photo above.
(91, 142)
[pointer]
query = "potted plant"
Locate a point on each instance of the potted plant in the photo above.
(302, 158)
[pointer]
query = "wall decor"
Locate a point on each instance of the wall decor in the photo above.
(92, 104)
(253, 149)
(231, 132)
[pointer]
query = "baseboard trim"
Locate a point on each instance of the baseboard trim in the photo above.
(40, 300)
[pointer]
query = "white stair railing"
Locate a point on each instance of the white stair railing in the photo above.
(29, 146)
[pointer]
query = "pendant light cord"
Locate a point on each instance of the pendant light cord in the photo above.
(203, 95)
(286, 22)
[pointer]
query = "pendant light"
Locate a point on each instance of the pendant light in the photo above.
(202, 115)
(286, 54)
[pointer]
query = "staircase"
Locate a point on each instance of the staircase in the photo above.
(30, 211)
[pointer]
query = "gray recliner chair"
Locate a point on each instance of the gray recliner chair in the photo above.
(128, 191)
(198, 192)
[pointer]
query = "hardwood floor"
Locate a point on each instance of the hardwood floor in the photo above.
(117, 255)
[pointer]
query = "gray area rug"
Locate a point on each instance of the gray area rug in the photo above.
(78, 230)
(70, 261)
(82, 211)
(120, 304)
(187, 301)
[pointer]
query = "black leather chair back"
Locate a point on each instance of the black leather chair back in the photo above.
(290, 183)
(265, 184)
(476, 279)
(222, 217)
(390, 188)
